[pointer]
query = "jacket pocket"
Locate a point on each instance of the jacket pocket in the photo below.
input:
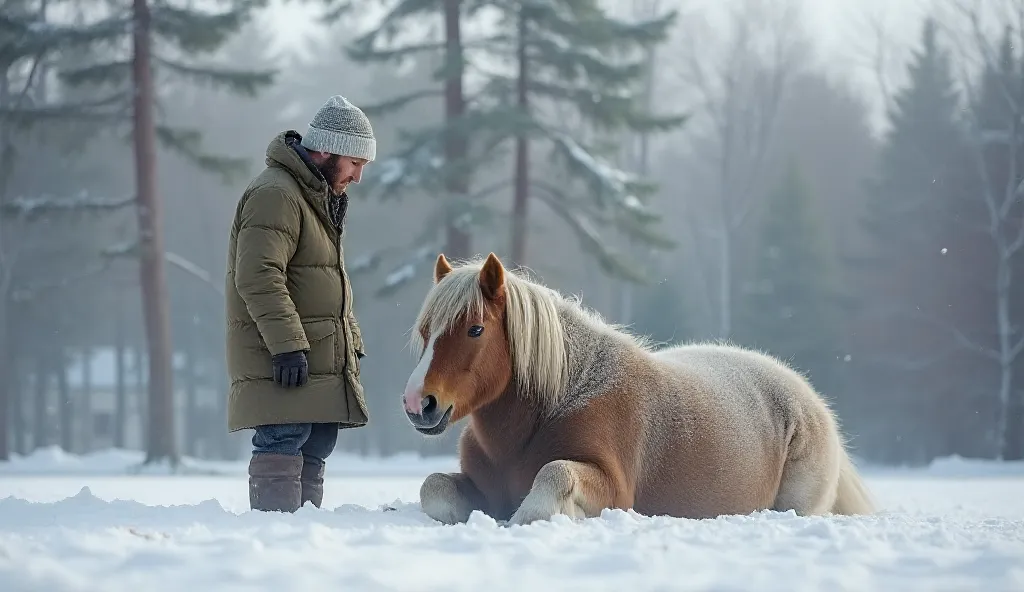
(322, 335)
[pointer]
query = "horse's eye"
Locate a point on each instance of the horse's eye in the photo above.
(475, 331)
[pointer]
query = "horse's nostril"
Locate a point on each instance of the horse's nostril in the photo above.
(429, 404)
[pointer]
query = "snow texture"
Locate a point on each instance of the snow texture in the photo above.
(957, 525)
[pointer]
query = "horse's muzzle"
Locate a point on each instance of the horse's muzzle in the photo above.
(430, 420)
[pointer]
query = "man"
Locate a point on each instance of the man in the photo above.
(293, 343)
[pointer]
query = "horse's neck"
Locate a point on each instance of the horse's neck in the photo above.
(593, 361)
(505, 426)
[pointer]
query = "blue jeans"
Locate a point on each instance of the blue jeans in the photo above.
(314, 441)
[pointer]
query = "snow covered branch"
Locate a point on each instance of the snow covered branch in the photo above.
(413, 265)
(129, 249)
(604, 178)
(28, 208)
(611, 261)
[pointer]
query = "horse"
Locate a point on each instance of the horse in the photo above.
(571, 415)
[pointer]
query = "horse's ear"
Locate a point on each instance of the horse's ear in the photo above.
(441, 268)
(492, 278)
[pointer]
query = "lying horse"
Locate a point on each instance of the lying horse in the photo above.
(571, 415)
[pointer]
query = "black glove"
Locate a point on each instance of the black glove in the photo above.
(290, 369)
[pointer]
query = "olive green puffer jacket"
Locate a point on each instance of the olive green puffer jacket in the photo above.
(287, 289)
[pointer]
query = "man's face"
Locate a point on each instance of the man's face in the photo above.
(340, 170)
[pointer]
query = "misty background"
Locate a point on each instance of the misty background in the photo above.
(836, 182)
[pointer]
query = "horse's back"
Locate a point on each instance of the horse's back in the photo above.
(744, 379)
(721, 420)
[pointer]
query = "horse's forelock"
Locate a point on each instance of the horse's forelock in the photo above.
(534, 329)
(447, 303)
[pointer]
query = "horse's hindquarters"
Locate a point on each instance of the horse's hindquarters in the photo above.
(716, 437)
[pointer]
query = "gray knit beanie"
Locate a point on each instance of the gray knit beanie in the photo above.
(339, 127)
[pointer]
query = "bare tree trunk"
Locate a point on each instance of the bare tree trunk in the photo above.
(522, 177)
(191, 396)
(85, 415)
(725, 283)
(742, 93)
(16, 395)
(1013, 440)
(140, 389)
(41, 411)
(7, 394)
(66, 410)
(160, 443)
(120, 398)
(6, 162)
(458, 239)
(1010, 420)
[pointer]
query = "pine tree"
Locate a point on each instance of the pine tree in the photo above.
(433, 160)
(578, 61)
(790, 307)
(903, 275)
(163, 41)
(925, 139)
(573, 63)
(907, 208)
(29, 125)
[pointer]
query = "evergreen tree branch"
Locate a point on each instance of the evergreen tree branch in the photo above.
(28, 36)
(114, 72)
(389, 106)
(603, 178)
(247, 83)
(574, 62)
(606, 111)
(91, 109)
(587, 24)
(186, 142)
(610, 260)
(195, 31)
(391, 23)
(362, 50)
(633, 226)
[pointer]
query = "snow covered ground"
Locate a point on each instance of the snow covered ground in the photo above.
(83, 524)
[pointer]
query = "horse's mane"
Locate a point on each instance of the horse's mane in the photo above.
(537, 337)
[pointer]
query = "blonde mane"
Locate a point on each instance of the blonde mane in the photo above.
(535, 333)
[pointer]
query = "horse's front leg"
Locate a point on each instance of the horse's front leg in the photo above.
(576, 489)
(450, 497)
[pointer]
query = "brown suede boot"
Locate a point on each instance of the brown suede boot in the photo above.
(274, 482)
(312, 481)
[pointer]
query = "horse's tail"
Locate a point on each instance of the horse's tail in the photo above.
(852, 495)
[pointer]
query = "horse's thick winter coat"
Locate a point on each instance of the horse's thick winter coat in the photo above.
(571, 415)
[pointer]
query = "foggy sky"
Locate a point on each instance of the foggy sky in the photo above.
(840, 29)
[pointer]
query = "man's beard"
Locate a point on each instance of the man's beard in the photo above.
(331, 170)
